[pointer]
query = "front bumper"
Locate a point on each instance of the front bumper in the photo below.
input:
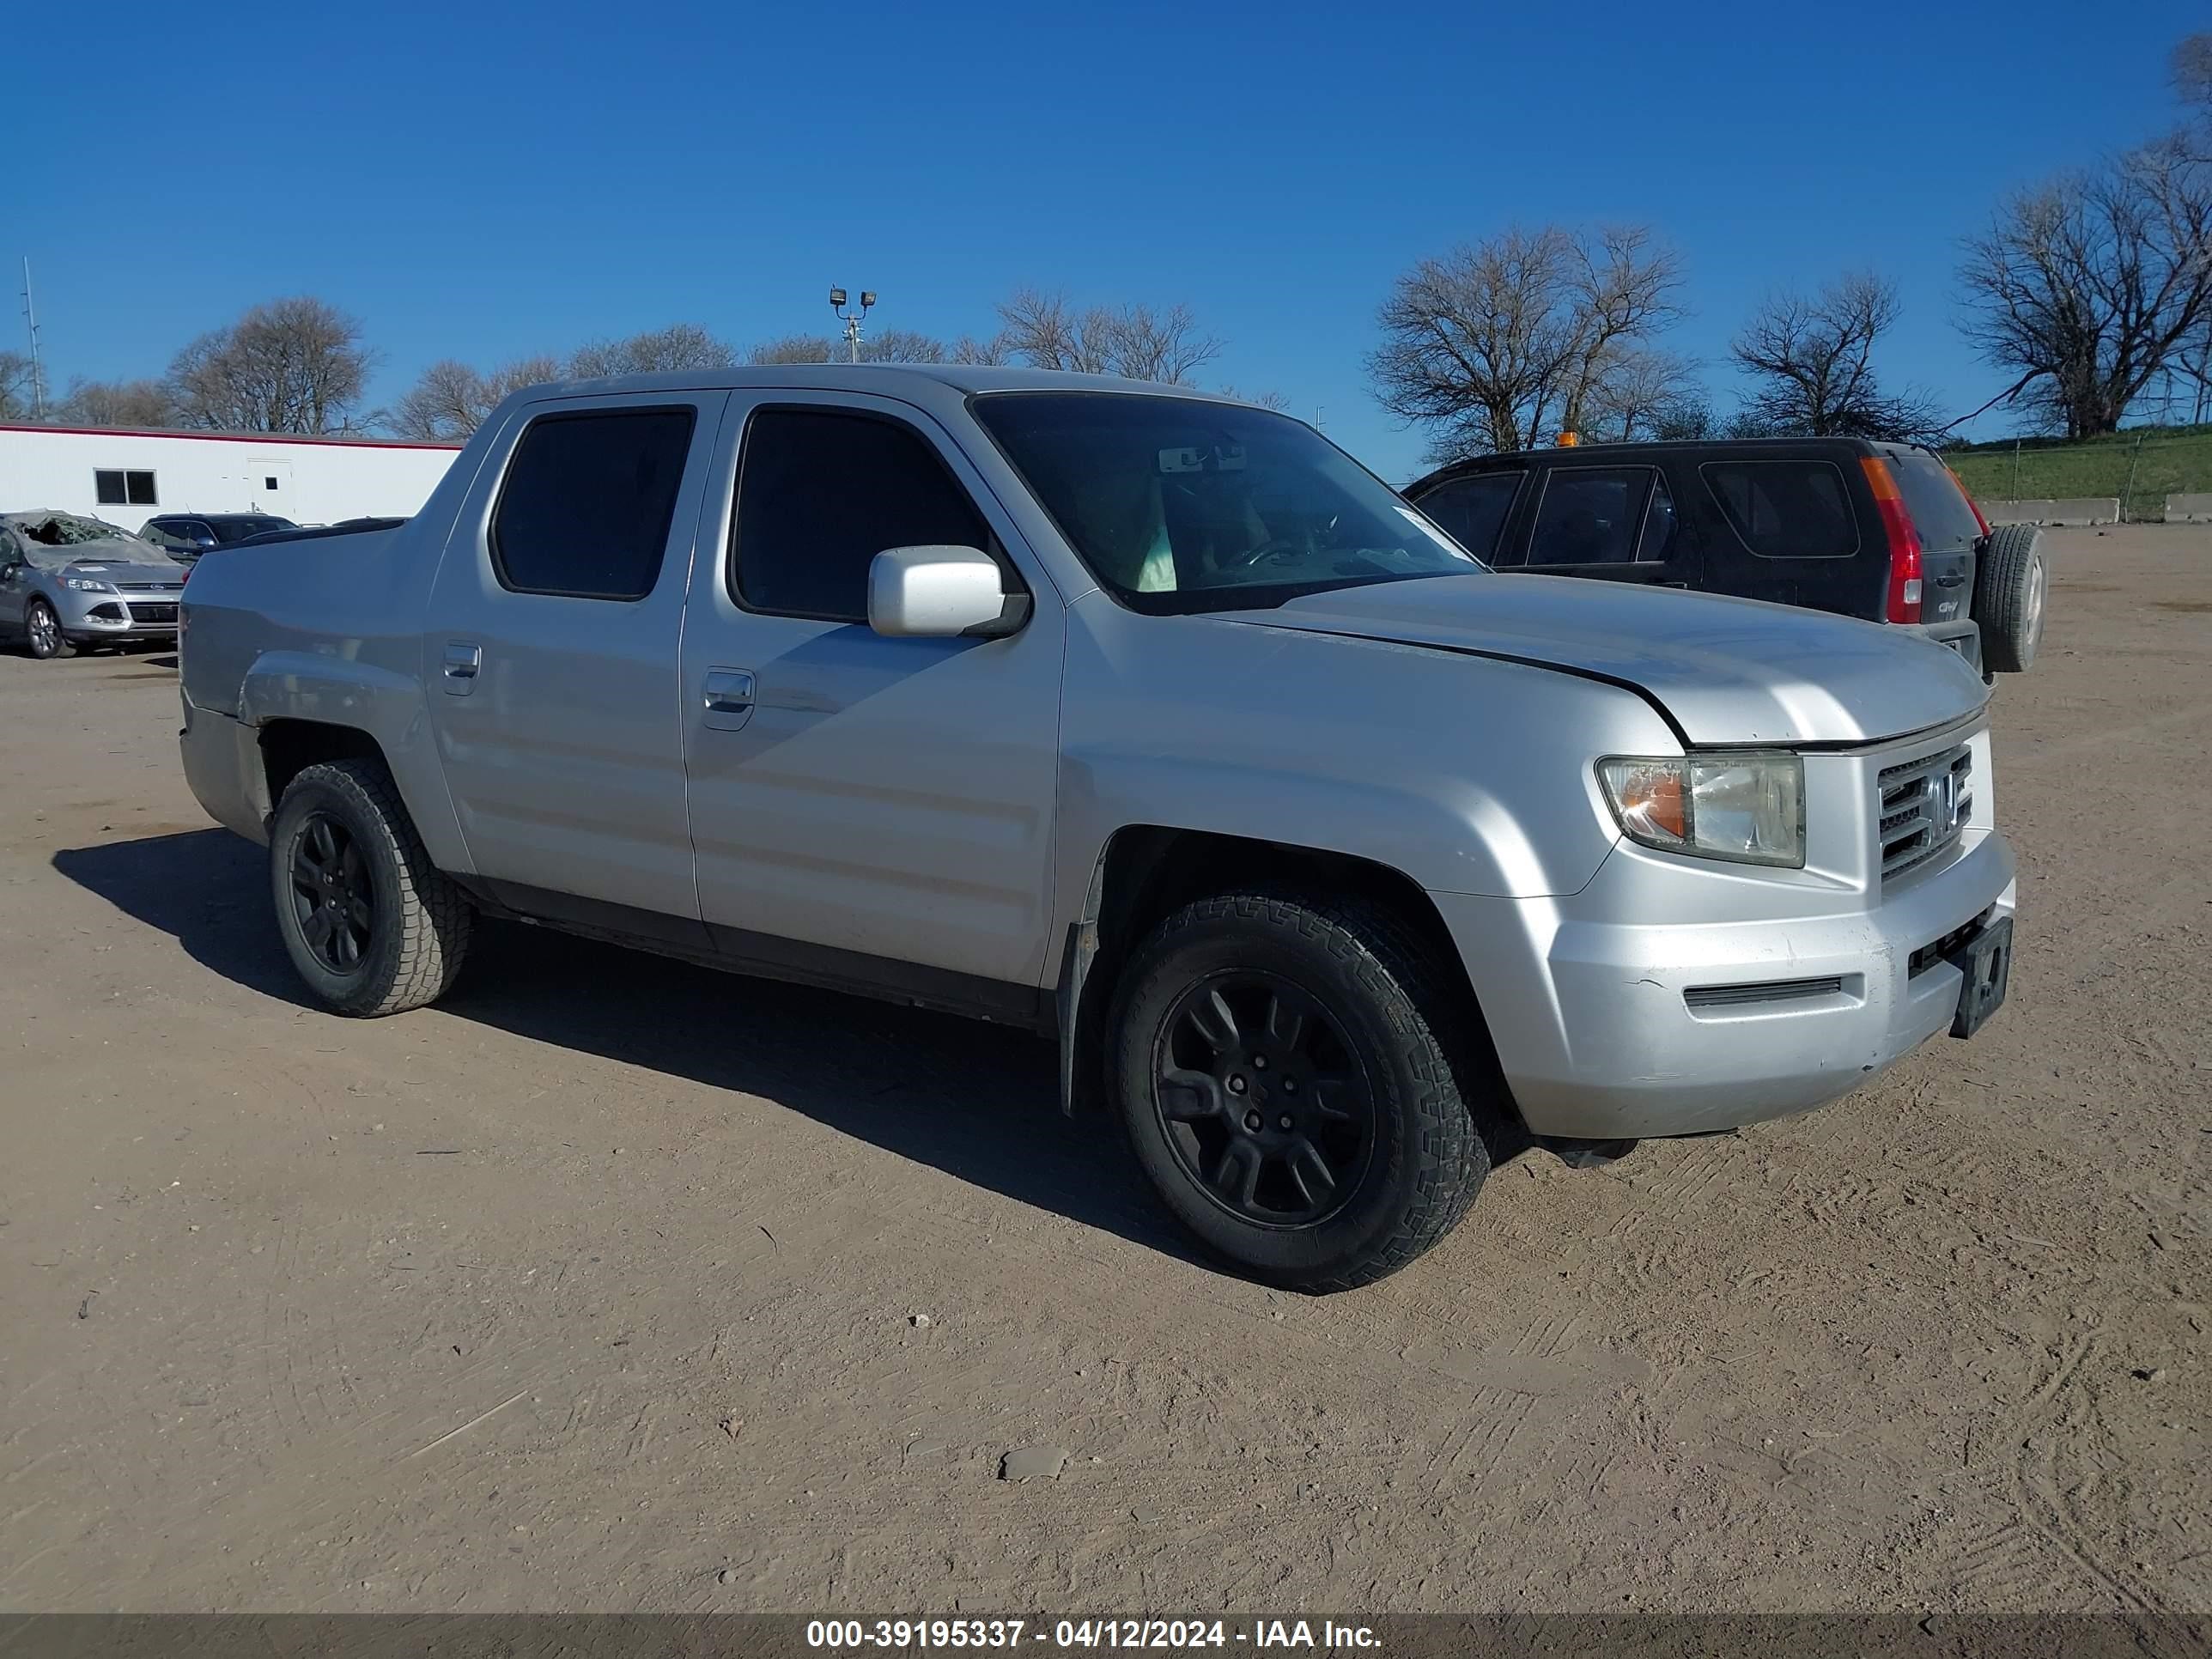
(1674, 996)
(1963, 637)
(91, 618)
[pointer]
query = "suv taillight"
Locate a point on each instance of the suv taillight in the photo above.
(1905, 570)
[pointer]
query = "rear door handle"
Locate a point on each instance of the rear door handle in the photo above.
(727, 698)
(1952, 580)
(462, 661)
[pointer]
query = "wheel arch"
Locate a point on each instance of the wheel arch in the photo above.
(1145, 871)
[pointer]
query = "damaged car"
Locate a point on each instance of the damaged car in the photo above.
(67, 581)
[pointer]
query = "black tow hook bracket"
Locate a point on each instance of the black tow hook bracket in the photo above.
(1585, 1154)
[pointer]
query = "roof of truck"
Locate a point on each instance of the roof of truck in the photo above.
(891, 379)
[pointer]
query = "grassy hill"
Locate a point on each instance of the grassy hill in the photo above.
(2163, 459)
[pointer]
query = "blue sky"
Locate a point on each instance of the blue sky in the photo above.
(483, 183)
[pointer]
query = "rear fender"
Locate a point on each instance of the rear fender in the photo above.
(334, 691)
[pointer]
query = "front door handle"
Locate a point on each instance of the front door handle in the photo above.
(462, 661)
(728, 698)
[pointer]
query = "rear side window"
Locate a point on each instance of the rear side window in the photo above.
(820, 492)
(1473, 511)
(1590, 515)
(1936, 501)
(1658, 539)
(1786, 509)
(585, 508)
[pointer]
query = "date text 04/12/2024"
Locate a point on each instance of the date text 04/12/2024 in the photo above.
(1168, 1634)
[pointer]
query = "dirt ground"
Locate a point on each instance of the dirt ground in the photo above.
(612, 1284)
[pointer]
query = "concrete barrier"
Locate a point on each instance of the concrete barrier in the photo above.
(2087, 509)
(2189, 509)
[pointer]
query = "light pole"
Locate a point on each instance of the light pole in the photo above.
(851, 319)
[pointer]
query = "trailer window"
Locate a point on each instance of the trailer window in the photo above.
(117, 488)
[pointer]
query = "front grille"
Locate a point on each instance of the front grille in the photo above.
(153, 613)
(149, 587)
(1925, 803)
(1957, 939)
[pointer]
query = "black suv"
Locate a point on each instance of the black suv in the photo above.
(1880, 530)
(185, 536)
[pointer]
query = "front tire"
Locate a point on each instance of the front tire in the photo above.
(42, 630)
(1281, 1068)
(371, 925)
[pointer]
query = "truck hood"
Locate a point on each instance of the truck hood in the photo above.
(1726, 670)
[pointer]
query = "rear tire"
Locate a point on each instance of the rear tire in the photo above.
(372, 926)
(42, 630)
(1280, 1066)
(2010, 586)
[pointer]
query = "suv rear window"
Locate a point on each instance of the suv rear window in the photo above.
(1934, 498)
(1786, 509)
(1473, 511)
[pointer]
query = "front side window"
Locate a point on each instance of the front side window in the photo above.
(820, 492)
(1473, 511)
(1590, 515)
(585, 508)
(1179, 505)
(1786, 509)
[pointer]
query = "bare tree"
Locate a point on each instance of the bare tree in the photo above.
(679, 346)
(17, 402)
(117, 403)
(295, 365)
(2192, 84)
(1491, 344)
(1641, 390)
(795, 348)
(452, 400)
(893, 345)
(988, 354)
(1812, 364)
(2084, 287)
(1045, 331)
(1274, 400)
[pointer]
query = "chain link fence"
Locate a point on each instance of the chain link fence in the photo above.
(2137, 470)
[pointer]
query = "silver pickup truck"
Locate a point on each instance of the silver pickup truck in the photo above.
(1337, 867)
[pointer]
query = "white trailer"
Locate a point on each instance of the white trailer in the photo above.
(126, 476)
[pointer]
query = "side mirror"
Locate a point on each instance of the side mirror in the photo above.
(939, 592)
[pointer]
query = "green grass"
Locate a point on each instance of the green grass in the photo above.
(2164, 460)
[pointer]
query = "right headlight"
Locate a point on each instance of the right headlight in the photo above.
(1749, 808)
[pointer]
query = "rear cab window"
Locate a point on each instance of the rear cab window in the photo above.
(585, 508)
(1786, 509)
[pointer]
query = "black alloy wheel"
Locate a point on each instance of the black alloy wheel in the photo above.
(1262, 1099)
(332, 897)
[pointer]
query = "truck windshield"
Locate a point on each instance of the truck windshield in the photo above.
(1180, 505)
